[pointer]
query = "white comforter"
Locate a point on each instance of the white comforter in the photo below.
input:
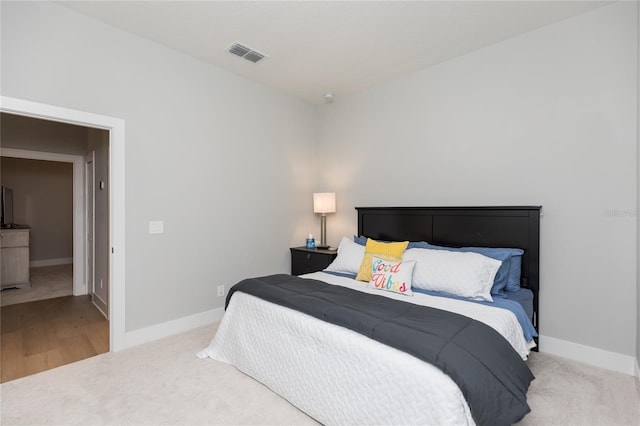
(338, 376)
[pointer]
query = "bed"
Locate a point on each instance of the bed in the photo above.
(361, 373)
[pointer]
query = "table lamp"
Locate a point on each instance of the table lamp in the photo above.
(323, 203)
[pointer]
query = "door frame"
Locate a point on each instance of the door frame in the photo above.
(115, 126)
(90, 204)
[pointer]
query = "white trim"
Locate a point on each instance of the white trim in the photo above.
(90, 248)
(169, 328)
(79, 283)
(637, 359)
(100, 299)
(589, 355)
(100, 305)
(51, 262)
(117, 326)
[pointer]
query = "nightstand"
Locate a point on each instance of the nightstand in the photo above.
(305, 261)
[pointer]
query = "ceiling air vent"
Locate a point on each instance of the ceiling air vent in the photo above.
(246, 52)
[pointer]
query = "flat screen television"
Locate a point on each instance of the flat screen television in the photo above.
(7, 206)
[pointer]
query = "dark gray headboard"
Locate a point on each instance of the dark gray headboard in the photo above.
(517, 227)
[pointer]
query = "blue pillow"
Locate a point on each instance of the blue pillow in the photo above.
(419, 244)
(515, 269)
(412, 244)
(360, 240)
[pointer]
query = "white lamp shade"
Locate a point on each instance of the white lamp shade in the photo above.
(324, 202)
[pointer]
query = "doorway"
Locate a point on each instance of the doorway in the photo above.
(114, 195)
(58, 318)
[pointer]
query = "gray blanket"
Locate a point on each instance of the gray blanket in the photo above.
(489, 372)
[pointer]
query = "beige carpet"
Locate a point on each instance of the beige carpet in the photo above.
(163, 383)
(47, 282)
(566, 392)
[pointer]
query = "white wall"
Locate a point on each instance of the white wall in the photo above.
(223, 161)
(545, 118)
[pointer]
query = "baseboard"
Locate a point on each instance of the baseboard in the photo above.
(637, 370)
(589, 355)
(100, 304)
(50, 262)
(169, 328)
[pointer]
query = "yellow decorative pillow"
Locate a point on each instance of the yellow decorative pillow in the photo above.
(386, 251)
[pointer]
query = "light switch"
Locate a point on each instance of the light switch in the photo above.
(156, 227)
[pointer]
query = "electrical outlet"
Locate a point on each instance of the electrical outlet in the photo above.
(156, 227)
(220, 290)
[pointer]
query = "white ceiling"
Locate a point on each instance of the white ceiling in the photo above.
(315, 47)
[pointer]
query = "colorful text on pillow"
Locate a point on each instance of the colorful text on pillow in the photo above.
(384, 275)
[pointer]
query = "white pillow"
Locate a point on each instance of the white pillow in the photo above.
(464, 274)
(391, 275)
(349, 257)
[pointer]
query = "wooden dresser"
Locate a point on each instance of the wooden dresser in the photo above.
(14, 243)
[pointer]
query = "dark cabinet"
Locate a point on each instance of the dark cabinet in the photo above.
(305, 261)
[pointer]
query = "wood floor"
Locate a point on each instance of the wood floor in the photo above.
(38, 336)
